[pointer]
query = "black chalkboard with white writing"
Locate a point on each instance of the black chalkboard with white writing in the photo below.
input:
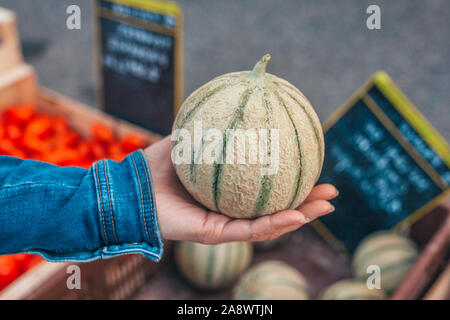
(390, 166)
(139, 61)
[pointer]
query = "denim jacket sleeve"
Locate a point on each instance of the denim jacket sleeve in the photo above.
(74, 214)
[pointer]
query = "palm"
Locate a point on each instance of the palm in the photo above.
(182, 218)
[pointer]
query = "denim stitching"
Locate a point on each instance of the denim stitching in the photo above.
(101, 202)
(142, 198)
(110, 203)
(36, 184)
(50, 256)
(150, 195)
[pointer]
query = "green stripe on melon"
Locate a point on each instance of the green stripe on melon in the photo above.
(272, 280)
(252, 100)
(212, 266)
(394, 254)
(352, 290)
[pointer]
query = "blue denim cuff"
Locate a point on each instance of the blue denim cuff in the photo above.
(73, 214)
(127, 208)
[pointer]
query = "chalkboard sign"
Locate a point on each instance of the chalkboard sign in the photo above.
(139, 57)
(389, 164)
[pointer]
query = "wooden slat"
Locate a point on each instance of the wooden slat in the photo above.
(17, 86)
(441, 288)
(424, 270)
(32, 280)
(10, 52)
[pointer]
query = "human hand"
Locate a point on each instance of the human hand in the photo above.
(182, 218)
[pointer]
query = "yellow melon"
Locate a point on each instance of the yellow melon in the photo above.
(392, 253)
(212, 266)
(272, 280)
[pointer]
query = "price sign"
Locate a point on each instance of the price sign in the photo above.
(389, 164)
(139, 58)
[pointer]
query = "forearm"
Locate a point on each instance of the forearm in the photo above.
(76, 214)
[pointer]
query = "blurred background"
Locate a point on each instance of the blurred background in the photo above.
(325, 49)
(322, 46)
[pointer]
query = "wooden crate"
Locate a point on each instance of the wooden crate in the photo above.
(104, 279)
(10, 52)
(432, 233)
(110, 279)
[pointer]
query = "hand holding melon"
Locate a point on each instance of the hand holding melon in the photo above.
(242, 190)
(248, 144)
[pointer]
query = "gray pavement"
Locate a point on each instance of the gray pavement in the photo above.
(322, 46)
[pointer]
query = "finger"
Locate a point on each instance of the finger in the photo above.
(315, 209)
(264, 228)
(323, 191)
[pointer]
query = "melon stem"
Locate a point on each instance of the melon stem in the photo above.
(260, 67)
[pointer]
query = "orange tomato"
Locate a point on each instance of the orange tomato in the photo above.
(13, 131)
(20, 114)
(34, 145)
(102, 133)
(32, 261)
(62, 156)
(9, 270)
(8, 148)
(98, 151)
(60, 125)
(132, 142)
(22, 259)
(40, 127)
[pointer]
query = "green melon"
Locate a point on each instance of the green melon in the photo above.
(272, 280)
(249, 100)
(393, 253)
(212, 266)
(352, 289)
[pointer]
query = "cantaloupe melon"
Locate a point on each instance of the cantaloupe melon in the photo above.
(249, 101)
(212, 266)
(272, 280)
(352, 289)
(393, 253)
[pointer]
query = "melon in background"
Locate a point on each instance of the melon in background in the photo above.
(393, 253)
(212, 266)
(352, 289)
(272, 280)
(250, 100)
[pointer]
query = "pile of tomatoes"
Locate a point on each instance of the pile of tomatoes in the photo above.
(28, 134)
